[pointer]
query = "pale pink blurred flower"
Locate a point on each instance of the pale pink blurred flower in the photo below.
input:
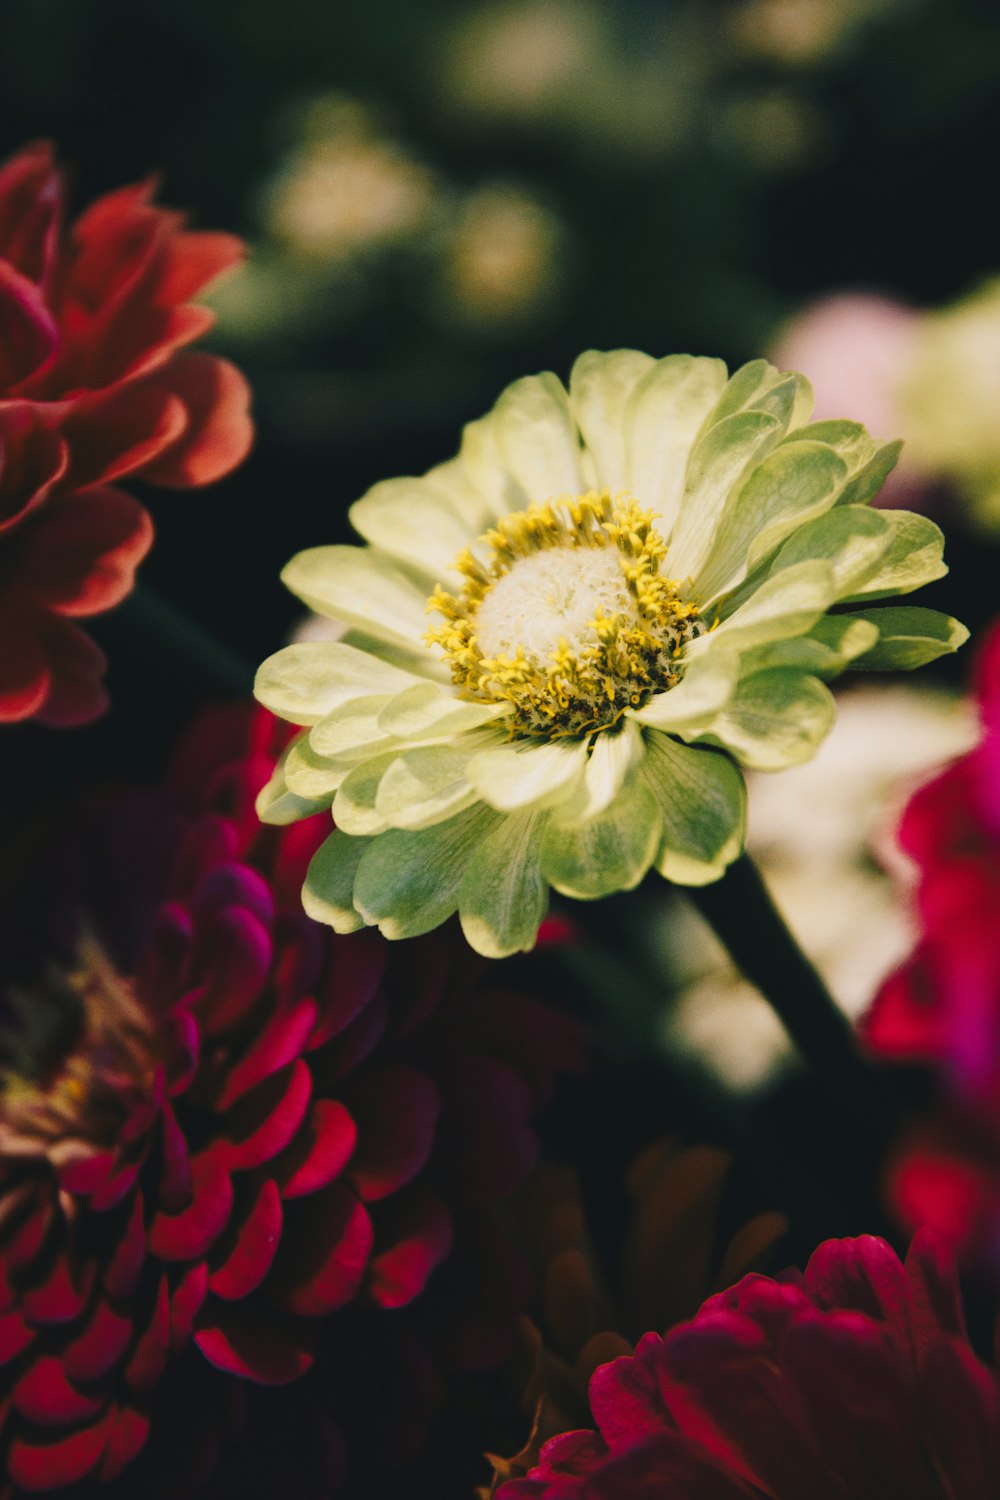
(855, 347)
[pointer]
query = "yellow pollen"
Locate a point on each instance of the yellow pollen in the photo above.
(565, 613)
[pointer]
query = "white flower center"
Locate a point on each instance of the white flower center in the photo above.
(552, 597)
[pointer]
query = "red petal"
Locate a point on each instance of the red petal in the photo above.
(356, 966)
(48, 1466)
(118, 431)
(265, 1120)
(267, 1349)
(186, 1302)
(396, 1111)
(83, 550)
(324, 1252)
(125, 1441)
(192, 260)
(76, 667)
(59, 1298)
(101, 1344)
(15, 1336)
(175, 1181)
(421, 1236)
(187, 1235)
(44, 1396)
(149, 1357)
(122, 1274)
(279, 1043)
(29, 332)
(253, 1243)
(219, 429)
(24, 670)
(30, 208)
(320, 1151)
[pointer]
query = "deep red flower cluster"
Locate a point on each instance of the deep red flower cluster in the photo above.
(96, 383)
(854, 1379)
(236, 1123)
(943, 1006)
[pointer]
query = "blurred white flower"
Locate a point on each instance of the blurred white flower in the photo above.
(821, 835)
(800, 32)
(347, 187)
(502, 256)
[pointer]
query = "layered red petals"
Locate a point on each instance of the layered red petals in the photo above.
(942, 1006)
(295, 1140)
(792, 1391)
(96, 383)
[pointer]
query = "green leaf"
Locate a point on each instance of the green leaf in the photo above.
(504, 897)
(610, 853)
(909, 637)
(776, 718)
(327, 892)
(702, 802)
(408, 881)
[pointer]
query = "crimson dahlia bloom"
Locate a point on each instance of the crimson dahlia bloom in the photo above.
(96, 383)
(854, 1379)
(219, 1123)
(942, 1007)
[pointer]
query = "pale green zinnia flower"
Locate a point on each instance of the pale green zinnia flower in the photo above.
(562, 644)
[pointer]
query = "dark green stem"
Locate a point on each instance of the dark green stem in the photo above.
(192, 649)
(740, 911)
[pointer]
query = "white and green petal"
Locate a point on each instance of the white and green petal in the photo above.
(610, 852)
(701, 797)
(629, 584)
(408, 882)
(776, 718)
(504, 894)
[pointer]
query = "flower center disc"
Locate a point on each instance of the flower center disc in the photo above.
(566, 615)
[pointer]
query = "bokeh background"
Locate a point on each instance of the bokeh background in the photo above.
(441, 196)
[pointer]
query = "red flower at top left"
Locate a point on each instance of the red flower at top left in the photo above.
(96, 383)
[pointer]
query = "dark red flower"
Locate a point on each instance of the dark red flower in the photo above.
(219, 1123)
(942, 1007)
(855, 1379)
(96, 383)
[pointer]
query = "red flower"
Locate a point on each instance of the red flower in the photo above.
(943, 1006)
(221, 1123)
(95, 384)
(854, 1379)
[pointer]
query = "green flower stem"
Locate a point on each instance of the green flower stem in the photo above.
(741, 913)
(198, 653)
